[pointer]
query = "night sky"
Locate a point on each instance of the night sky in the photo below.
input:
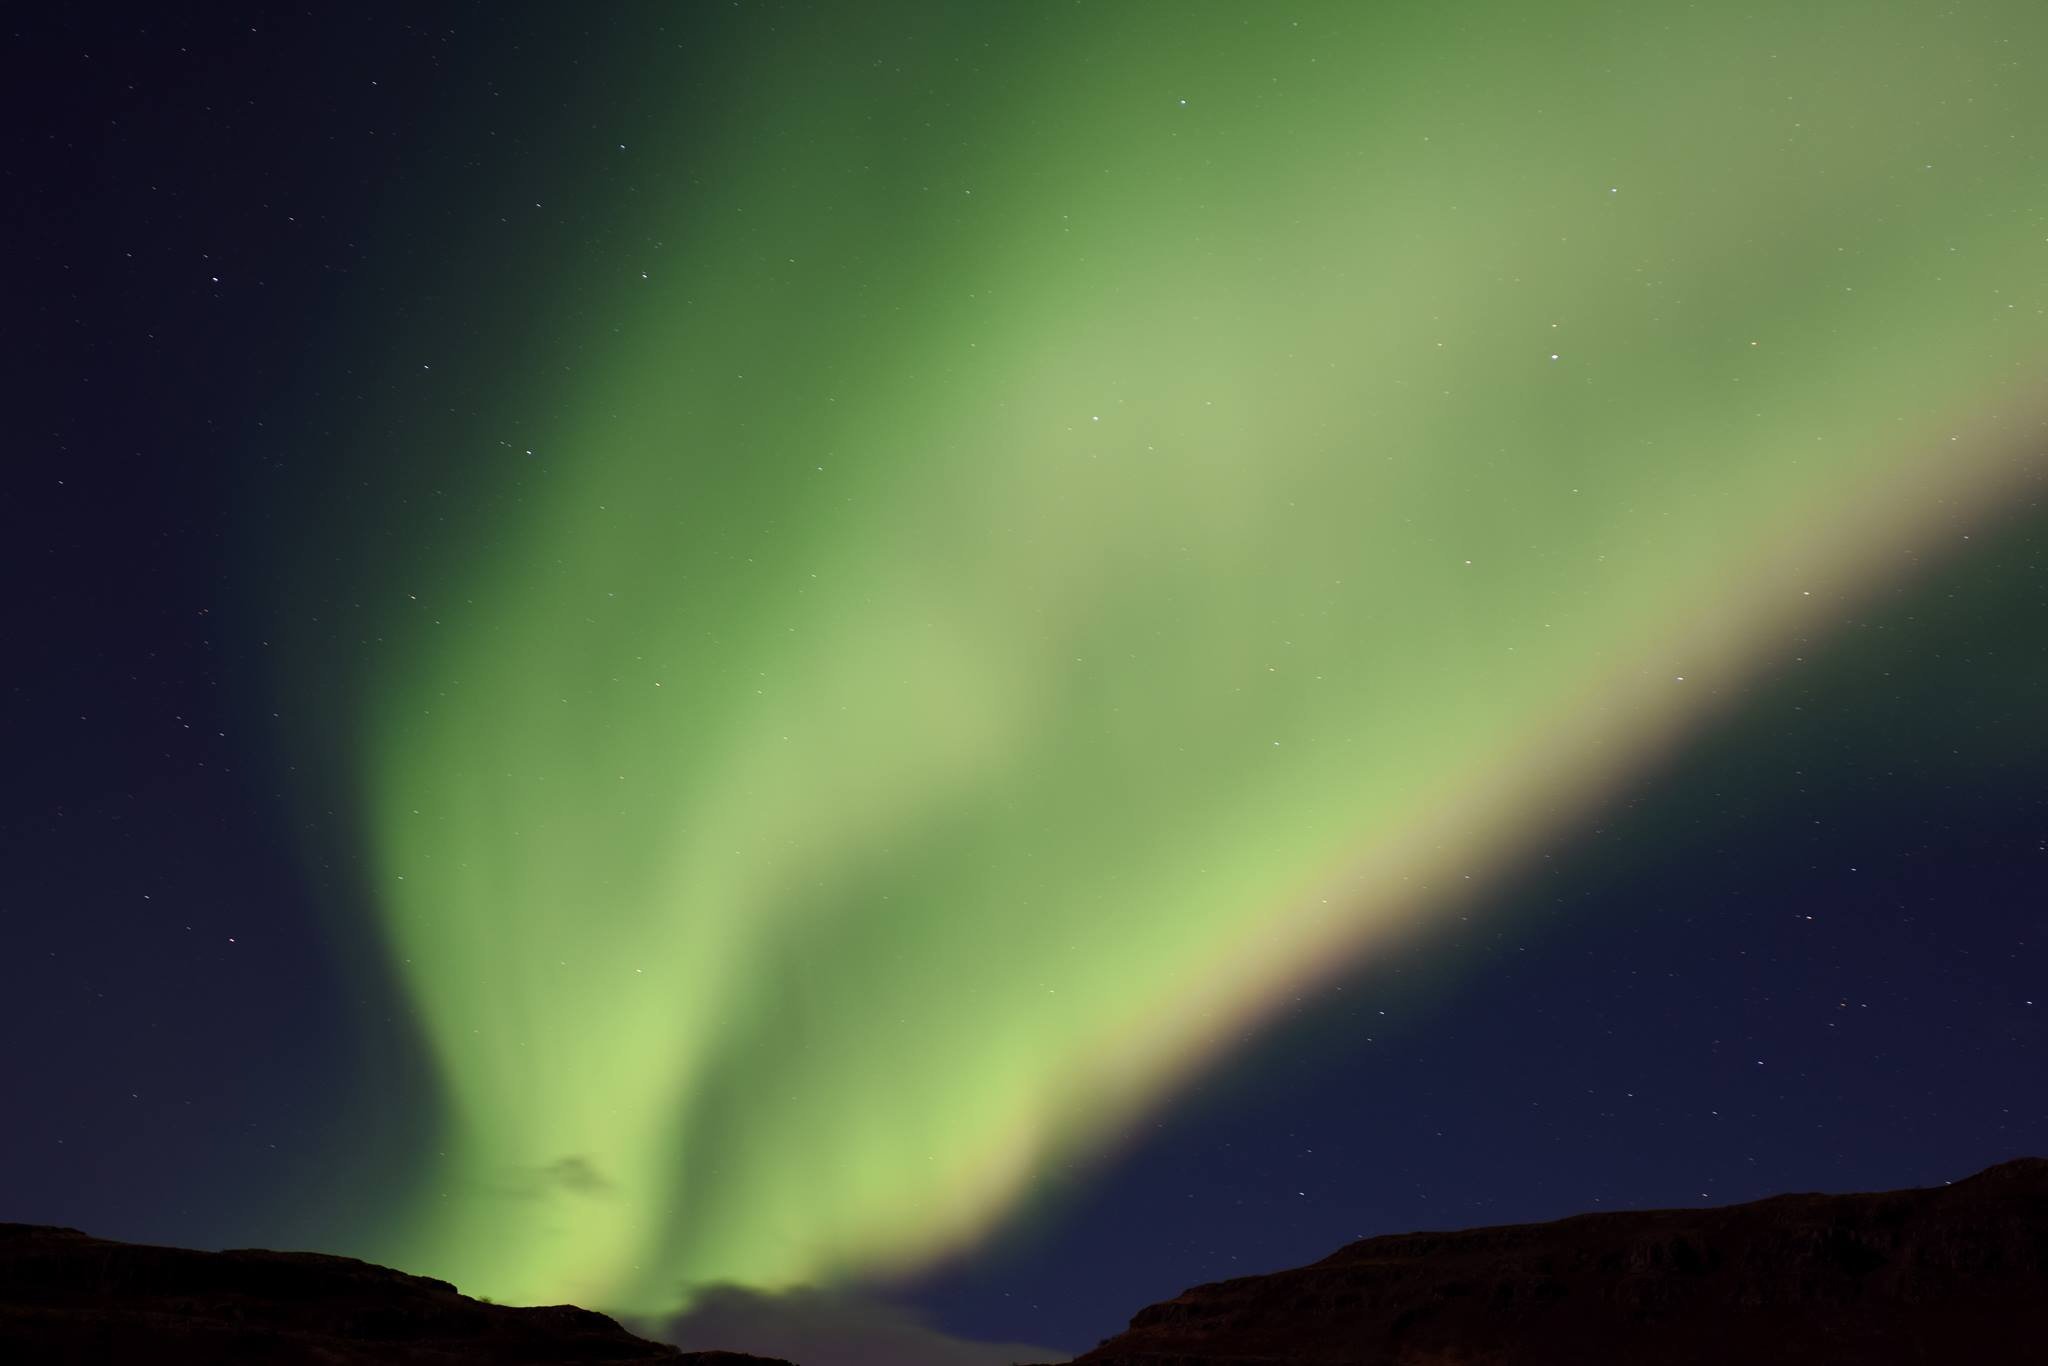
(907, 675)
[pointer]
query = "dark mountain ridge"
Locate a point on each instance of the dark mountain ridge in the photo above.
(1955, 1273)
(73, 1299)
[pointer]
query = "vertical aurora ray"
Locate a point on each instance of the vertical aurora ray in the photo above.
(1044, 536)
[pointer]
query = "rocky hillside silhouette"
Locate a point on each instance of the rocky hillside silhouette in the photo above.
(67, 1298)
(1956, 1273)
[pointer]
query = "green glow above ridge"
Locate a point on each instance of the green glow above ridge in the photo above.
(1090, 522)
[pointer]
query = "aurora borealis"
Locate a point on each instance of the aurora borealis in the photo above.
(1042, 537)
(993, 658)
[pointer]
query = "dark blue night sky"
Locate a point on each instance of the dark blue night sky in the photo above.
(1804, 951)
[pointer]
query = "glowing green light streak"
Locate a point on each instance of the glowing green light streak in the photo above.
(1040, 566)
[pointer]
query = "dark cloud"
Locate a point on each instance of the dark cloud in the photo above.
(829, 1328)
(570, 1175)
(577, 1175)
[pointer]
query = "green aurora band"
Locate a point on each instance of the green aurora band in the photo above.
(1058, 527)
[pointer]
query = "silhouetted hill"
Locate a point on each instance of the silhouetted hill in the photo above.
(68, 1298)
(1956, 1273)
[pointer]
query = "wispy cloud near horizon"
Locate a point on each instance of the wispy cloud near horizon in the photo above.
(814, 1327)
